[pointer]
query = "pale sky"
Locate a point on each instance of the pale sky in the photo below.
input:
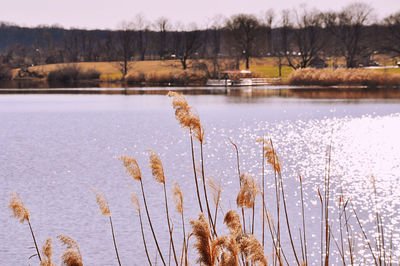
(102, 14)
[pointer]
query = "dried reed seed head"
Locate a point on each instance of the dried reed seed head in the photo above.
(47, 252)
(72, 255)
(131, 167)
(224, 244)
(18, 207)
(217, 245)
(178, 197)
(215, 190)
(248, 191)
(272, 158)
(156, 167)
(135, 201)
(186, 117)
(270, 154)
(201, 230)
(71, 258)
(232, 220)
(251, 246)
(103, 203)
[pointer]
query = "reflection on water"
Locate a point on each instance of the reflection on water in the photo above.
(53, 148)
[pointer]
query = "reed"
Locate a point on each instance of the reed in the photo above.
(178, 199)
(21, 212)
(47, 251)
(132, 168)
(105, 210)
(136, 206)
(72, 255)
(190, 120)
(157, 170)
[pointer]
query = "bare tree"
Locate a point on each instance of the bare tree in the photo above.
(187, 43)
(309, 37)
(125, 47)
(347, 26)
(392, 40)
(215, 43)
(244, 29)
(141, 25)
(162, 25)
(268, 19)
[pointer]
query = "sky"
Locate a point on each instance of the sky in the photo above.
(108, 14)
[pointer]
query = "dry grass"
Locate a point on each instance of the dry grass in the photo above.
(330, 77)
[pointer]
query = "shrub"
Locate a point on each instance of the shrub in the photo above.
(5, 72)
(72, 73)
(330, 77)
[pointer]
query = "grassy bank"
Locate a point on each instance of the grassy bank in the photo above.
(331, 77)
(170, 72)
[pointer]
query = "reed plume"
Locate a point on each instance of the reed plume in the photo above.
(136, 206)
(47, 252)
(132, 168)
(216, 190)
(253, 249)
(270, 154)
(232, 220)
(186, 117)
(248, 191)
(103, 203)
(72, 255)
(21, 212)
(201, 231)
(105, 210)
(247, 194)
(178, 199)
(229, 249)
(157, 170)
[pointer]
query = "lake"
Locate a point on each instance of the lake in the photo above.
(54, 148)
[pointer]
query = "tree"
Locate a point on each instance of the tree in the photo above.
(125, 47)
(268, 19)
(309, 37)
(141, 26)
(187, 43)
(162, 26)
(392, 40)
(347, 26)
(244, 29)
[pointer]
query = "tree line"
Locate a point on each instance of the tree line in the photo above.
(294, 37)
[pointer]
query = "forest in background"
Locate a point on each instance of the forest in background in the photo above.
(297, 38)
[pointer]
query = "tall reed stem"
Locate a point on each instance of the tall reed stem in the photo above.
(184, 240)
(263, 192)
(34, 240)
(304, 220)
(205, 189)
(144, 239)
(115, 244)
(151, 225)
(194, 171)
(240, 181)
(169, 225)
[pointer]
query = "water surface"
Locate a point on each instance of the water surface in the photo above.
(54, 148)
